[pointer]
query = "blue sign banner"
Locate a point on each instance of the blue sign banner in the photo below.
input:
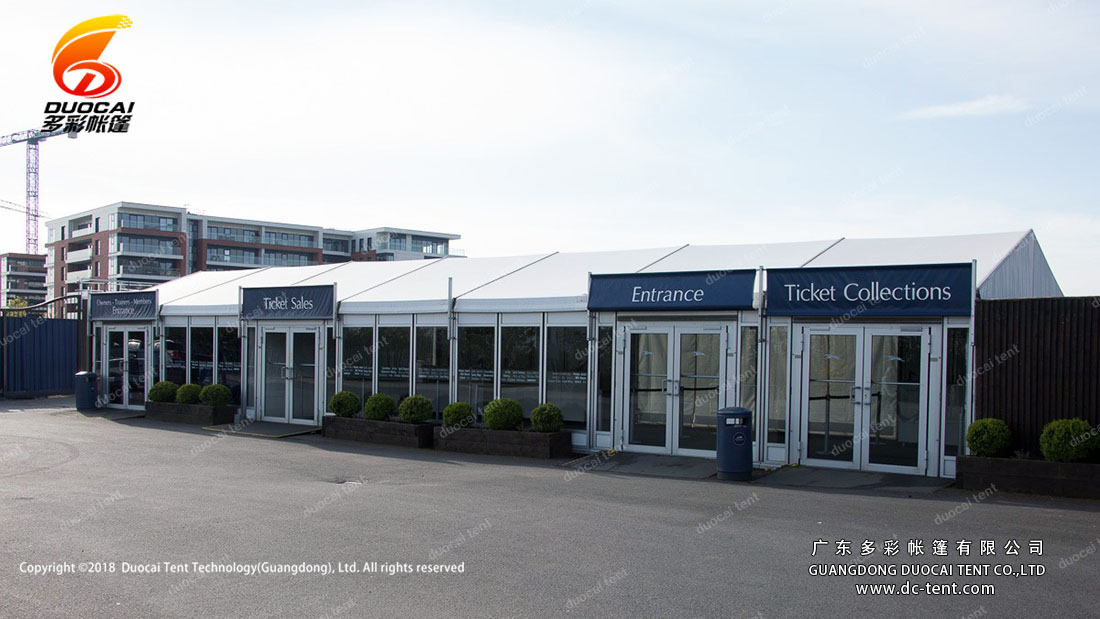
(139, 305)
(919, 290)
(289, 303)
(698, 290)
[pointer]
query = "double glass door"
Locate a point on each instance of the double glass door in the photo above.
(125, 355)
(865, 397)
(674, 388)
(289, 377)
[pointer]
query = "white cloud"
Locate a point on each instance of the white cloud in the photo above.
(990, 105)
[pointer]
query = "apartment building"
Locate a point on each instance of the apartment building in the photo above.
(22, 276)
(128, 245)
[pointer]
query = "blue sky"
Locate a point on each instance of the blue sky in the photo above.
(591, 124)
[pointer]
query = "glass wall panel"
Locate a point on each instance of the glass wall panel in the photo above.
(358, 350)
(604, 356)
(747, 373)
(135, 367)
(567, 373)
(330, 368)
(519, 366)
(475, 366)
(433, 356)
(175, 351)
(777, 384)
(250, 359)
(393, 362)
(202, 355)
(229, 361)
(116, 366)
(954, 413)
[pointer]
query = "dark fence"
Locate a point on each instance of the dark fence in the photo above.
(39, 355)
(1037, 360)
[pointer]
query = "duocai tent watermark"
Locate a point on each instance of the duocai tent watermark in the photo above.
(725, 514)
(589, 463)
(974, 499)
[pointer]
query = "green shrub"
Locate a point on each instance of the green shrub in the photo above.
(546, 418)
(345, 404)
(164, 391)
(503, 414)
(188, 394)
(379, 407)
(1069, 440)
(416, 409)
(989, 438)
(459, 414)
(215, 395)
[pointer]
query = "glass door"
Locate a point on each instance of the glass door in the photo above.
(649, 386)
(289, 376)
(865, 398)
(674, 389)
(895, 399)
(124, 358)
(831, 405)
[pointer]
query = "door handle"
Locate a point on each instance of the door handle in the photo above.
(852, 394)
(669, 385)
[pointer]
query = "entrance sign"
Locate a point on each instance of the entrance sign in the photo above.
(141, 305)
(698, 290)
(920, 290)
(289, 303)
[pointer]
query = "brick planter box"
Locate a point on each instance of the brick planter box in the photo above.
(195, 414)
(371, 431)
(1071, 479)
(525, 444)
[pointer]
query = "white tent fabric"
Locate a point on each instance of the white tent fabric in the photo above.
(559, 281)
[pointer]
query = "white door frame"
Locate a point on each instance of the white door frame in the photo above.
(672, 390)
(862, 397)
(123, 400)
(288, 368)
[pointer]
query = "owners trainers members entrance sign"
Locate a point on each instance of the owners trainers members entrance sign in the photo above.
(290, 303)
(705, 290)
(924, 290)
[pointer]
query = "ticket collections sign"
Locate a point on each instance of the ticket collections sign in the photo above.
(920, 290)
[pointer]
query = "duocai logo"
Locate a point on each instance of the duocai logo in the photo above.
(76, 58)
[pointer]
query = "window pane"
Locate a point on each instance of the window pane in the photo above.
(202, 355)
(519, 366)
(433, 356)
(748, 372)
(358, 348)
(393, 362)
(777, 384)
(175, 349)
(475, 366)
(603, 382)
(567, 373)
(229, 361)
(954, 414)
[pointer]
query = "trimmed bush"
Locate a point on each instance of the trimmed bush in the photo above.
(215, 395)
(546, 418)
(1069, 440)
(379, 407)
(503, 414)
(345, 404)
(989, 438)
(415, 409)
(164, 391)
(188, 394)
(459, 414)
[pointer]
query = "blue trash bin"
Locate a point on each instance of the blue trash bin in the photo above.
(734, 447)
(85, 390)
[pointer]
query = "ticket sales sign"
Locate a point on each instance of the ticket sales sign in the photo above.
(920, 290)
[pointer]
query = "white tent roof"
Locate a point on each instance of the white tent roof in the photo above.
(559, 281)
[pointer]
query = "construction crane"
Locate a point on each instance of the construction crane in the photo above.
(32, 137)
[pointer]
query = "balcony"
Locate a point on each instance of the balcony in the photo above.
(233, 260)
(79, 232)
(73, 277)
(25, 269)
(137, 248)
(79, 255)
(144, 270)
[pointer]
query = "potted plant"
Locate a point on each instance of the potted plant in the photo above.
(410, 428)
(1071, 464)
(503, 433)
(195, 404)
